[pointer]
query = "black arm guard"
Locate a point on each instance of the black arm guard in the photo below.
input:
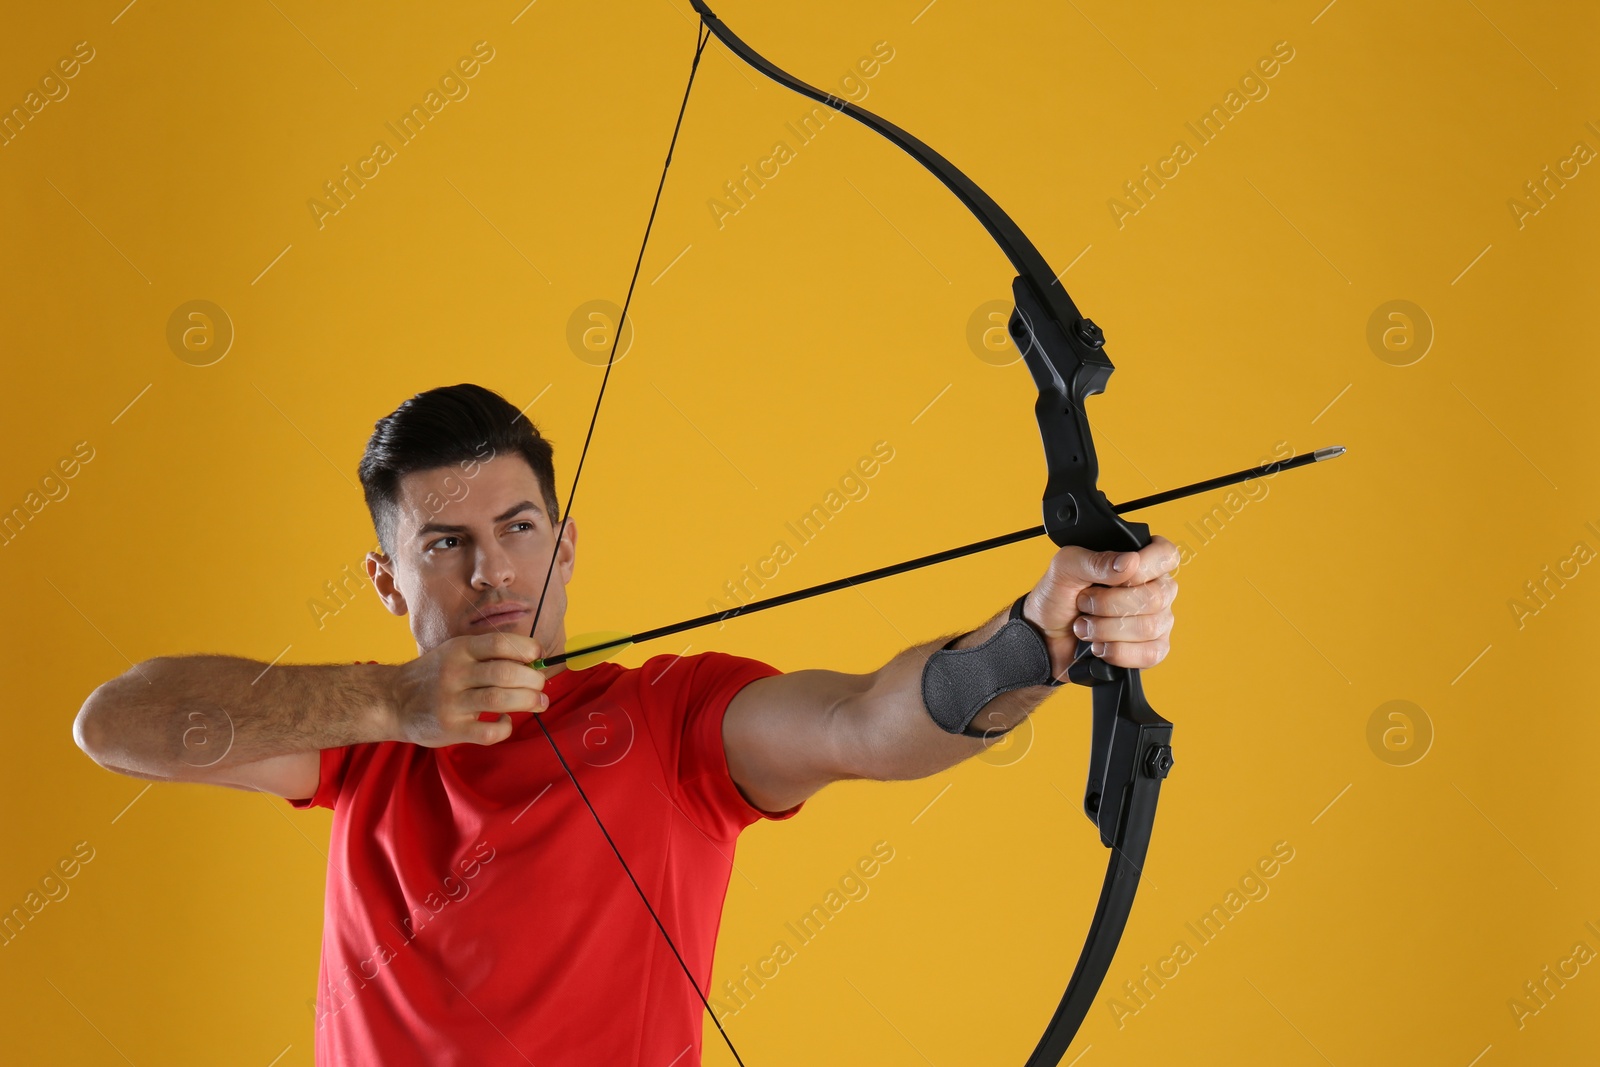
(957, 683)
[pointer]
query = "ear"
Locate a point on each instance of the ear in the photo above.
(380, 572)
(567, 553)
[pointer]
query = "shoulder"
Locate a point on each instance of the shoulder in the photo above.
(704, 677)
(683, 699)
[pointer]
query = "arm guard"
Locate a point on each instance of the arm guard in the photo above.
(958, 682)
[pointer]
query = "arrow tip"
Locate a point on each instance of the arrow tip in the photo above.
(1327, 453)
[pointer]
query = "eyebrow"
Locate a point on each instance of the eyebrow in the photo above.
(511, 512)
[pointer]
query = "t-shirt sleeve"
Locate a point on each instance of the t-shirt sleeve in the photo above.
(706, 789)
(334, 762)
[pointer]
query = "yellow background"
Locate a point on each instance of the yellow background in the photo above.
(821, 319)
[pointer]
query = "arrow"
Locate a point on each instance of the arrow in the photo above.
(593, 648)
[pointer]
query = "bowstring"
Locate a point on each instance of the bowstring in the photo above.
(703, 34)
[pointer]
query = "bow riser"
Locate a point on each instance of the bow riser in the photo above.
(1068, 368)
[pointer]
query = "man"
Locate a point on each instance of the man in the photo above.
(475, 913)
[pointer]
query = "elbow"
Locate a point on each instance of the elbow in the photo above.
(91, 727)
(88, 729)
(858, 750)
(95, 729)
(894, 739)
(871, 747)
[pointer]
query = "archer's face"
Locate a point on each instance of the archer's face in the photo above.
(470, 554)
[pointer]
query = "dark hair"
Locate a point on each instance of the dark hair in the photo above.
(455, 424)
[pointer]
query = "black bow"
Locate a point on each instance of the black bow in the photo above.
(1130, 751)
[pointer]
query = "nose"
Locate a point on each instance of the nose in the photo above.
(492, 566)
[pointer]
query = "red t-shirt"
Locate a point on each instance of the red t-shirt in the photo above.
(476, 916)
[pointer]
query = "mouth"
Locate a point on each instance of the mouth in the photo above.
(500, 616)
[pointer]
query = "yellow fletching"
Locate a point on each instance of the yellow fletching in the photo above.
(613, 642)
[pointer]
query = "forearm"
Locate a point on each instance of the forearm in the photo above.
(790, 735)
(194, 717)
(898, 739)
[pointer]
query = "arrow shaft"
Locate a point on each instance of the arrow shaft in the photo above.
(1263, 471)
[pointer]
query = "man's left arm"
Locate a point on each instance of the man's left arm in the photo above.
(789, 735)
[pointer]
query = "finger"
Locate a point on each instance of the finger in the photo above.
(1135, 655)
(489, 733)
(1073, 566)
(518, 647)
(501, 685)
(1158, 558)
(501, 699)
(1145, 599)
(1079, 566)
(1095, 628)
(505, 673)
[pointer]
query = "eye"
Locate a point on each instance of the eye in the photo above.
(440, 542)
(527, 523)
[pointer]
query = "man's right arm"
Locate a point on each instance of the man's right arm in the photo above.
(240, 723)
(231, 721)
